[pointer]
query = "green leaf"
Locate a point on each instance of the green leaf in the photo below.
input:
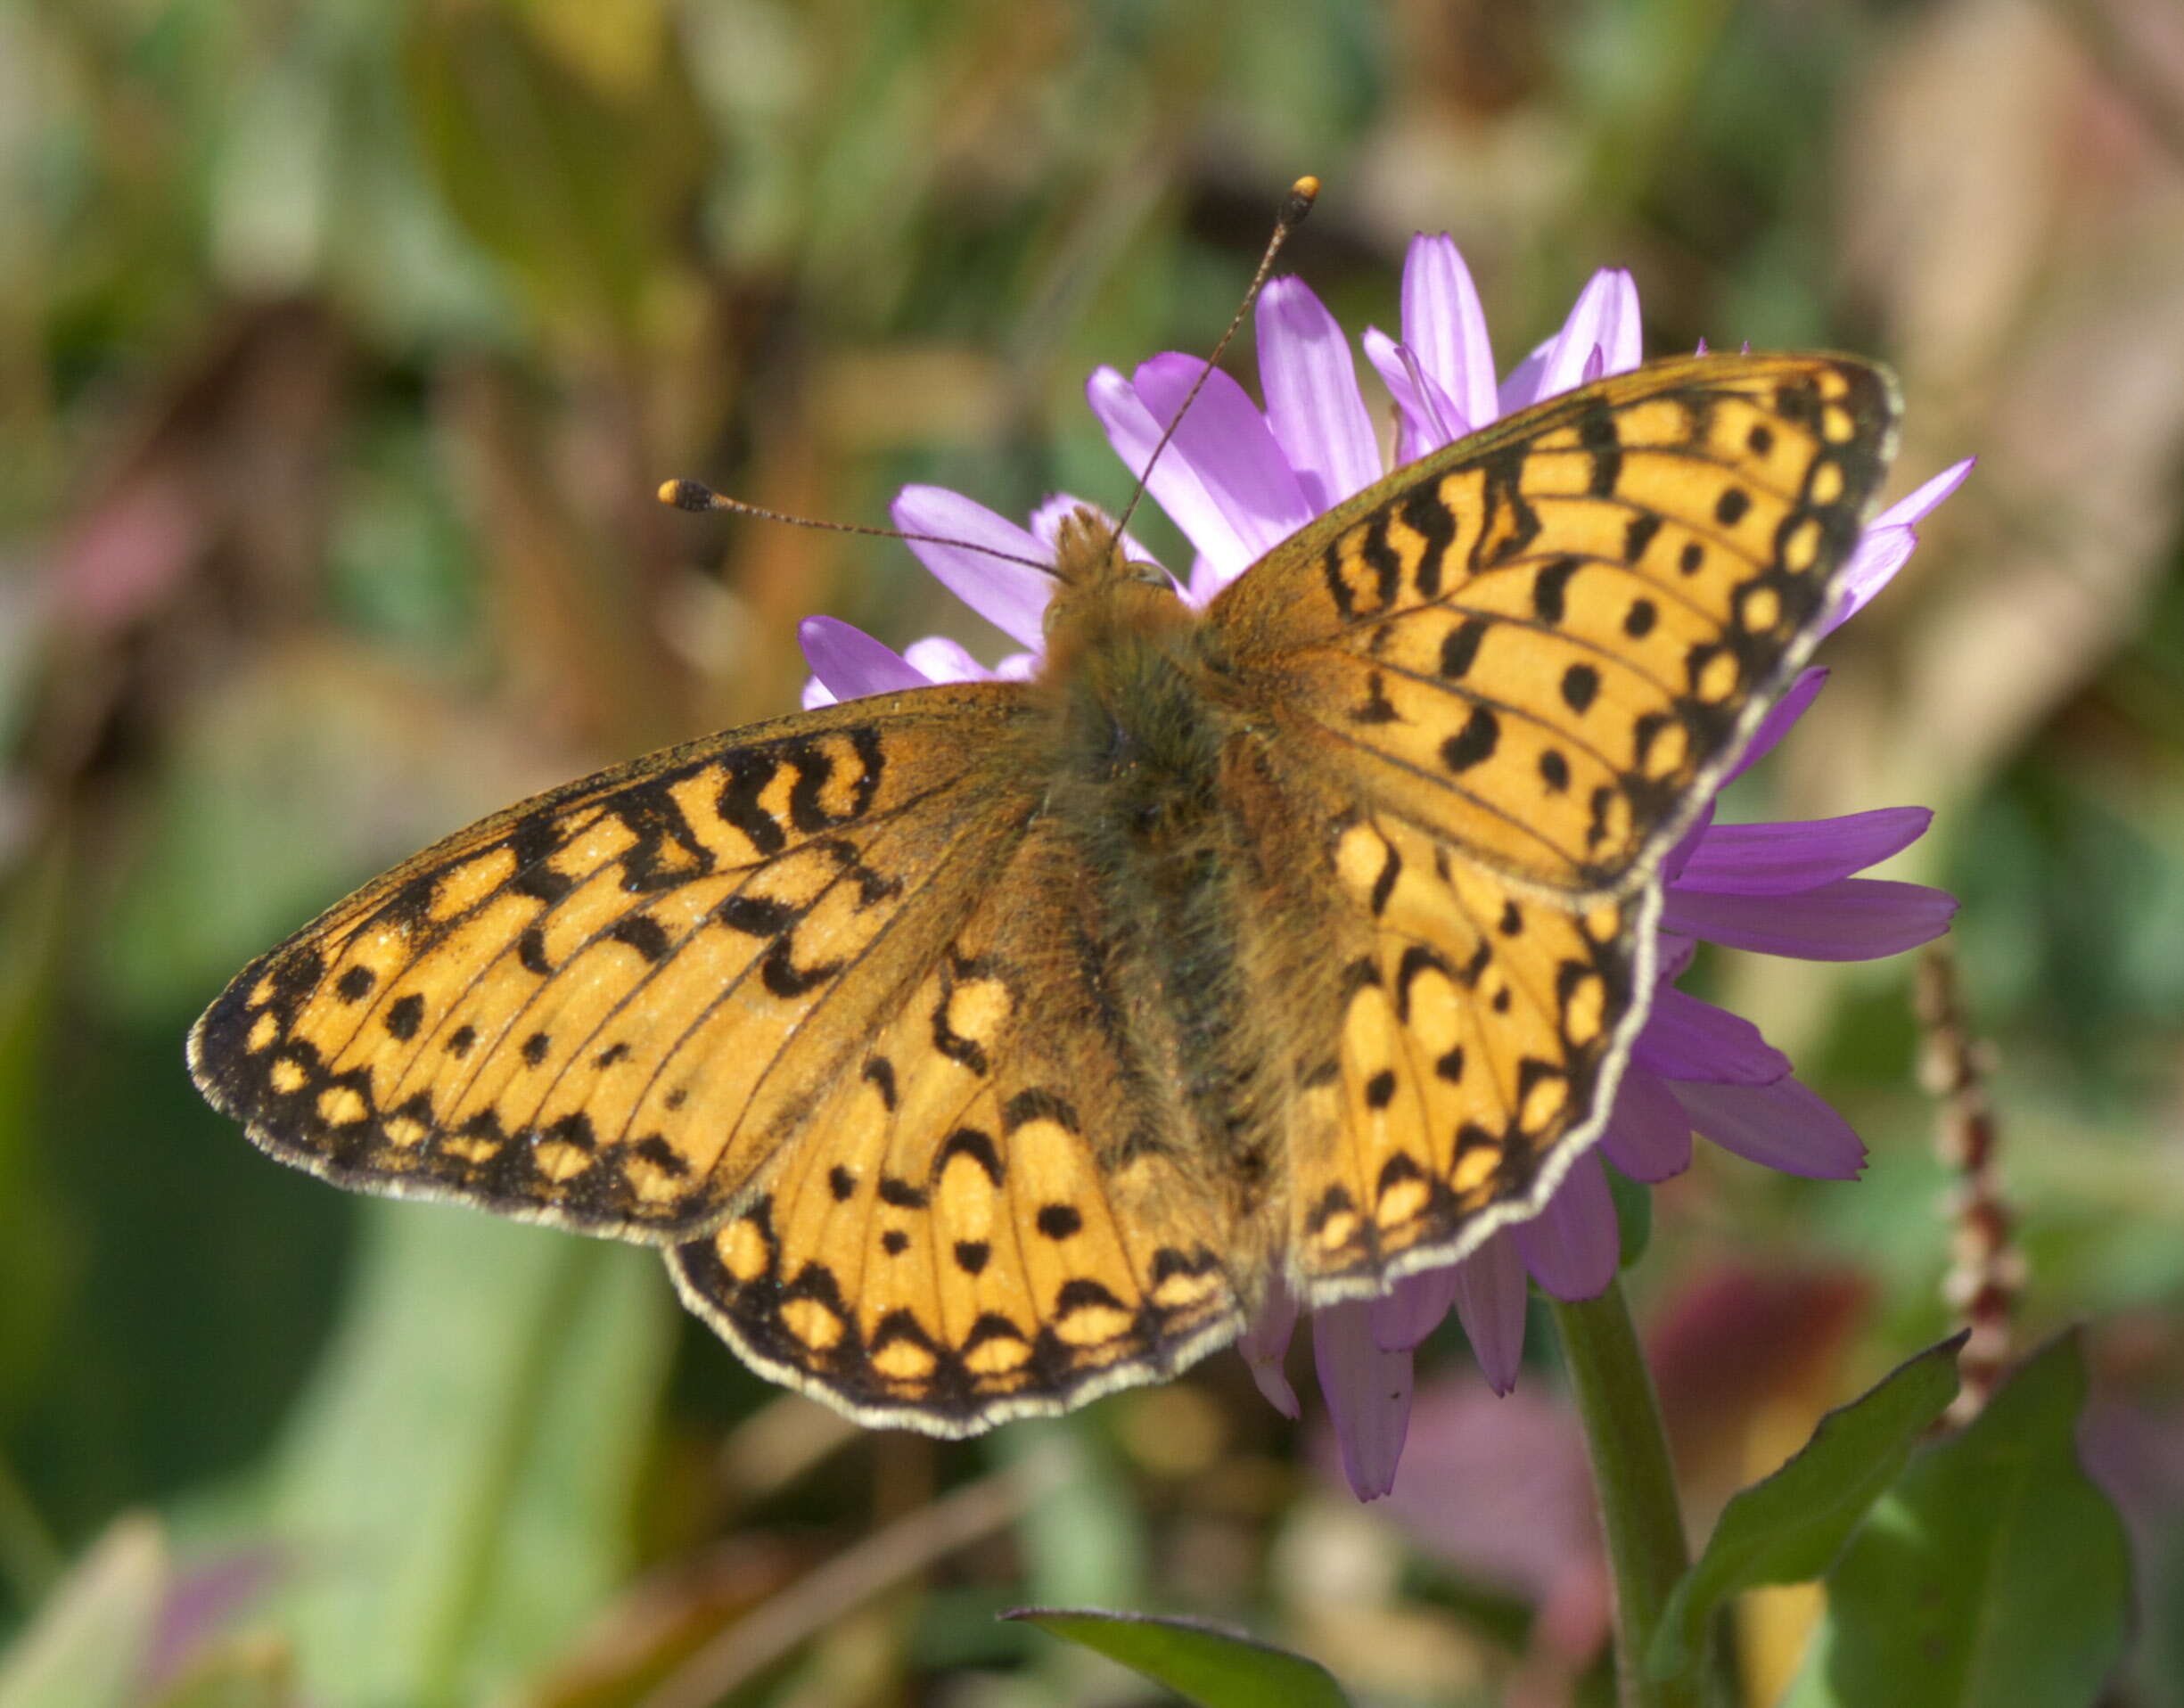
(1790, 1526)
(458, 1488)
(572, 176)
(1084, 1540)
(1993, 1571)
(1210, 1666)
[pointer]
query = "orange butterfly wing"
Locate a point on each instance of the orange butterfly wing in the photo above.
(1517, 670)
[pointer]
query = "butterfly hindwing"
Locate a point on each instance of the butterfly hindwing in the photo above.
(1479, 1026)
(592, 1009)
(1545, 642)
(968, 1231)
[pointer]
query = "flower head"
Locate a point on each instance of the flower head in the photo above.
(1238, 480)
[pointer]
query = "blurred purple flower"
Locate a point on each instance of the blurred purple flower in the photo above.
(1238, 480)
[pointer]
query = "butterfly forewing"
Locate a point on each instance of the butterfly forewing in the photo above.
(594, 1008)
(1544, 643)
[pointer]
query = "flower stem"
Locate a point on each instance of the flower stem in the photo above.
(1634, 1483)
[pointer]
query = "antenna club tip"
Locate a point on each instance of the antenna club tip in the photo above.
(685, 495)
(1302, 193)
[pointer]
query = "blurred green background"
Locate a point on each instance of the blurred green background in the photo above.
(342, 345)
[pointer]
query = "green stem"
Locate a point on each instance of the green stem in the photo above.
(1635, 1484)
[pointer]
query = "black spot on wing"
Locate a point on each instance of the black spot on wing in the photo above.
(1459, 648)
(781, 975)
(405, 1015)
(1550, 589)
(1423, 511)
(1596, 433)
(1475, 744)
(641, 932)
(975, 1143)
(534, 843)
(1037, 1103)
(756, 916)
(748, 772)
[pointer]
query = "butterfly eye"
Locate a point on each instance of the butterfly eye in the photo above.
(1151, 574)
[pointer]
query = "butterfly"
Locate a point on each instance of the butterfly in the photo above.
(974, 1050)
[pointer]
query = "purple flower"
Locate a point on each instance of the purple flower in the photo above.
(1237, 480)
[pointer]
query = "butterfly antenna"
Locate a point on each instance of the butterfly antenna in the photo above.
(694, 494)
(1302, 193)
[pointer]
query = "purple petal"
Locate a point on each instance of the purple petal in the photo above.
(1851, 919)
(1573, 1246)
(1367, 1392)
(939, 658)
(1266, 1341)
(1226, 439)
(1624, 344)
(1225, 500)
(1788, 855)
(1780, 1126)
(1521, 390)
(1426, 417)
(1314, 408)
(1011, 596)
(1927, 499)
(1879, 553)
(1785, 712)
(1648, 1135)
(1685, 1038)
(1680, 856)
(1205, 581)
(1446, 416)
(1445, 327)
(1489, 1302)
(850, 664)
(1605, 315)
(1017, 667)
(1888, 541)
(1413, 1309)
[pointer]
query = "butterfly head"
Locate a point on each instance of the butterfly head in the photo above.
(1088, 552)
(1102, 591)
